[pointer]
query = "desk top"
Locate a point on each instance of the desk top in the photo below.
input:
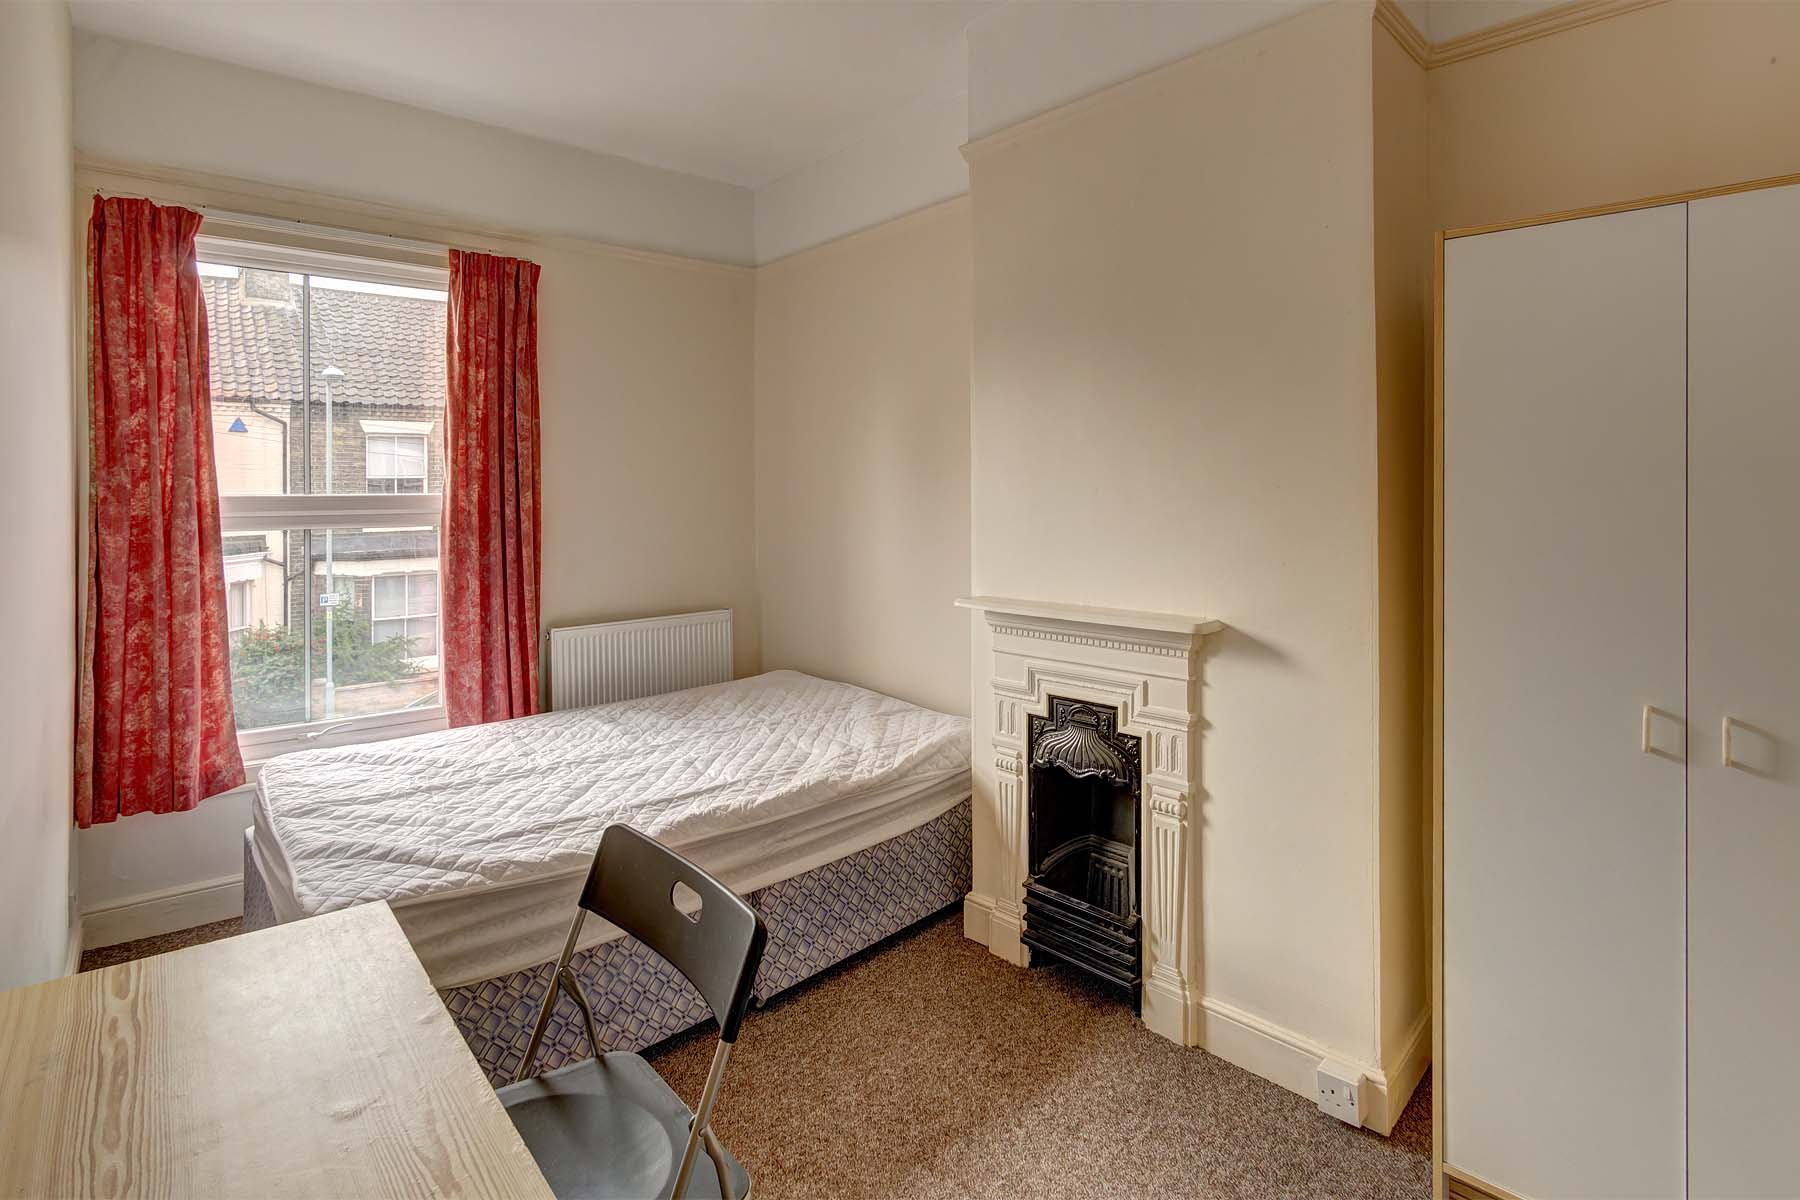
(308, 1060)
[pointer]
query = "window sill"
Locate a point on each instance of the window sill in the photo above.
(258, 746)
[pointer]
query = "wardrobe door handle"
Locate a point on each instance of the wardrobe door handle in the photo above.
(1725, 756)
(1647, 742)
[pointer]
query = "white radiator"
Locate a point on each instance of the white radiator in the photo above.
(621, 660)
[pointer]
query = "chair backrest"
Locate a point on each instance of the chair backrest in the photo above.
(632, 884)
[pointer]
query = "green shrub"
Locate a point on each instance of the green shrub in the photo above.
(268, 666)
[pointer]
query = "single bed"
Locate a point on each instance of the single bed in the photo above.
(841, 813)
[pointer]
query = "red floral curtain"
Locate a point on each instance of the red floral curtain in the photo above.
(492, 544)
(154, 731)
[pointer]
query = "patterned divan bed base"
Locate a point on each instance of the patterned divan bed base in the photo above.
(815, 920)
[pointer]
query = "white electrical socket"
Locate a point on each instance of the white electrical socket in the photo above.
(1340, 1092)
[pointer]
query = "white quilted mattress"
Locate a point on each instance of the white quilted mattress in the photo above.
(480, 837)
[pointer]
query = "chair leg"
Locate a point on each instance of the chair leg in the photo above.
(567, 977)
(709, 1095)
(556, 983)
(716, 1152)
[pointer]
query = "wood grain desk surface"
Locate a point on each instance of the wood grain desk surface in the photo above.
(308, 1060)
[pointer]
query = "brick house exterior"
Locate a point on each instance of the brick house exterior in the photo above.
(386, 435)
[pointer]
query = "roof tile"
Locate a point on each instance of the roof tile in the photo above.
(390, 348)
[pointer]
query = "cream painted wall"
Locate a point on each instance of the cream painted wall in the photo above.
(1175, 364)
(37, 486)
(646, 384)
(645, 368)
(1670, 98)
(1403, 263)
(862, 458)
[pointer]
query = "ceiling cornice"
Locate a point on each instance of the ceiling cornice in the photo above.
(1528, 28)
(1390, 18)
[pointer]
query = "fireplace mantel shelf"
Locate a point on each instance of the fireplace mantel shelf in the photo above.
(1087, 614)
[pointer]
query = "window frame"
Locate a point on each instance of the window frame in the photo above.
(395, 478)
(376, 427)
(407, 614)
(337, 510)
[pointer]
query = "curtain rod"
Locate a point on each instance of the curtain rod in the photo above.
(316, 228)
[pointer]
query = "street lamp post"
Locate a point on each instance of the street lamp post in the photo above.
(331, 375)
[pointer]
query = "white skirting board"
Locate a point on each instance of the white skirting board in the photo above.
(1246, 1040)
(165, 911)
(72, 955)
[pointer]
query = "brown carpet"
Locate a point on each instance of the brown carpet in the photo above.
(929, 1068)
(111, 956)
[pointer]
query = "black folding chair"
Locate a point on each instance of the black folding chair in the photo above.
(610, 1126)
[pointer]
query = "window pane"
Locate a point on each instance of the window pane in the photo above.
(268, 678)
(328, 634)
(299, 363)
(390, 596)
(409, 457)
(421, 593)
(378, 358)
(237, 603)
(255, 363)
(375, 663)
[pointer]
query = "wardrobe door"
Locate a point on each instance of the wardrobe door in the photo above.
(1564, 503)
(1744, 668)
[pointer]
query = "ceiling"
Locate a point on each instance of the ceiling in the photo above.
(740, 91)
(744, 91)
(1446, 20)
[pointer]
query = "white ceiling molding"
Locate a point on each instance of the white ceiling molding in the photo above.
(905, 161)
(1556, 19)
(1397, 21)
(147, 107)
(1014, 61)
(1026, 59)
(1537, 20)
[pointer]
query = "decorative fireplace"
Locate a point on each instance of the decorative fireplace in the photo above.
(1136, 672)
(1081, 886)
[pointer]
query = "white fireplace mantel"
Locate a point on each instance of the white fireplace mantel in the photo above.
(1125, 619)
(1146, 665)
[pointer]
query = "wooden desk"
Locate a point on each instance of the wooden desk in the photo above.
(309, 1060)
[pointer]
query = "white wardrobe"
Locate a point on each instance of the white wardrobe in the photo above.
(1621, 703)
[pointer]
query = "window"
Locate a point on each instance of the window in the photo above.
(327, 378)
(237, 605)
(396, 463)
(405, 606)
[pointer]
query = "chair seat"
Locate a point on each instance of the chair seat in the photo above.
(612, 1128)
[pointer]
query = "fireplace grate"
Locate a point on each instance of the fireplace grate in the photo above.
(1081, 891)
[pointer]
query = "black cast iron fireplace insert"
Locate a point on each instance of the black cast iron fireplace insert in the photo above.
(1081, 883)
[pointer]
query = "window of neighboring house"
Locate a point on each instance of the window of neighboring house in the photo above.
(396, 463)
(328, 371)
(405, 606)
(237, 605)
